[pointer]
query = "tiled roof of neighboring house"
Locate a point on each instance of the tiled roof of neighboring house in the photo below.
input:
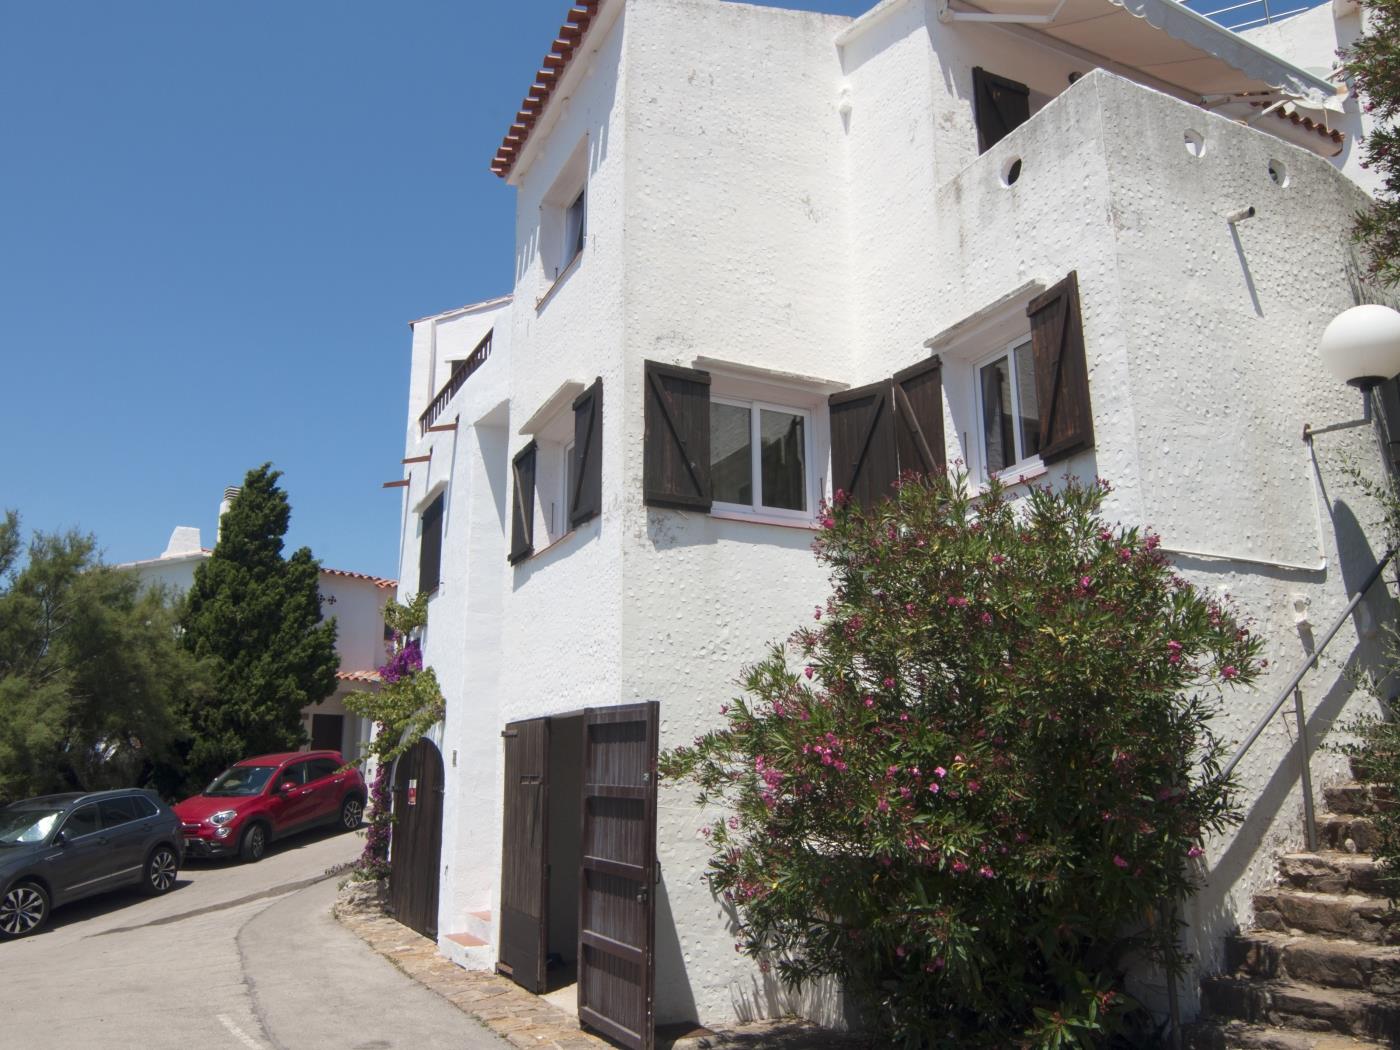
(378, 581)
(565, 46)
(1290, 113)
(369, 677)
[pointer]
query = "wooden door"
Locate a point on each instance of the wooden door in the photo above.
(327, 732)
(524, 874)
(617, 909)
(415, 843)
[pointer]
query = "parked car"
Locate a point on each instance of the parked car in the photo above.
(261, 799)
(59, 848)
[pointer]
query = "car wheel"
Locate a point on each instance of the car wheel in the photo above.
(23, 909)
(161, 868)
(351, 813)
(253, 844)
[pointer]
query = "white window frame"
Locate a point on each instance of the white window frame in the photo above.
(1023, 465)
(565, 470)
(757, 509)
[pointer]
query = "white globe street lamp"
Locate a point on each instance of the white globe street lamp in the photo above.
(1362, 345)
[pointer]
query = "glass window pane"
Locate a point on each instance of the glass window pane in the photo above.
(82, 821)
(998, 432)
(783, 445)
(731, 453)
(1026, 400)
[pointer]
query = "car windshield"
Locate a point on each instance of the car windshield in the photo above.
(20, 825)
(240, 780)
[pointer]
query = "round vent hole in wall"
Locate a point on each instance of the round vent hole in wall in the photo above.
(1278, 173)
(1011, 172)
(1195, 142)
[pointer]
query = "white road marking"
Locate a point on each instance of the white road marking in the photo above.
(238, 1033)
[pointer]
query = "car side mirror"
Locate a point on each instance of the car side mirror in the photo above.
(61, 839)
(286, 786)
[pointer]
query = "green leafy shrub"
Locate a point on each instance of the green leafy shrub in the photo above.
(965, 789)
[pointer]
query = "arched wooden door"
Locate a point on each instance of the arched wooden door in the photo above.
(415, 844)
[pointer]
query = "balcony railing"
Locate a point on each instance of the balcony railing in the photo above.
(461, 372)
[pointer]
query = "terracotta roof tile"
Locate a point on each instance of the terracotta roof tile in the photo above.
(551, 71)
(368, 677)
(378, 581)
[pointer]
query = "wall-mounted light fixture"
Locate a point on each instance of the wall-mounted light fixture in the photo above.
(1361, 347)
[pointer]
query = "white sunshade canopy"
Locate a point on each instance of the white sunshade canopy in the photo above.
(1165, 41)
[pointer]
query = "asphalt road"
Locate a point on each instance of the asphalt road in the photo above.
(235, 957)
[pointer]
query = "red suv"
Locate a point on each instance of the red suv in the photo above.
(265, 798)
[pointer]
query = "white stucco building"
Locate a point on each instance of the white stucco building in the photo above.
(355, 599)
(762, 254)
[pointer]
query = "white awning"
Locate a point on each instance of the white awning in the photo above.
(1163, 40)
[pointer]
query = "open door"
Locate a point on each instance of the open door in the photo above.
(524, 874)
(617, 909)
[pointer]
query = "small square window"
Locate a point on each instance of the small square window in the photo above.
(759, 458)
(1007, 409)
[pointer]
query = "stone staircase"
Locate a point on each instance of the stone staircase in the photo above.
(1321, 968)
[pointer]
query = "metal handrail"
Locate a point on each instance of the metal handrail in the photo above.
(459, 375)
(1291, 689)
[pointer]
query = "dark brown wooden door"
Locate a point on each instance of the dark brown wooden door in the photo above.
(327, 732)
(617, 908)
(524, 875)
(415, 843)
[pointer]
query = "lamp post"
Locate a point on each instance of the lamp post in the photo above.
(1361, 347)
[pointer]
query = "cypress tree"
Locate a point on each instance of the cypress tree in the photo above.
(257, 616)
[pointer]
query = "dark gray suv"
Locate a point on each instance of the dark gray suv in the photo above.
(58, 848)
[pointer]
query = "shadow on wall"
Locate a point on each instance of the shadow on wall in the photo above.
(1212, 915)
(670, 529)
(674, 1000)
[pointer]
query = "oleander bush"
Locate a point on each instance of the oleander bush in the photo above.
(965, 788)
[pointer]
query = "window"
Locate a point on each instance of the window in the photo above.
(759, 455)
(999, 105)
(1007, 410)
(82, 821)
(294, 773)
(734, 442)
(430, 548)
(322, 767)
(117, 811)
(575, 229)
(561, 469)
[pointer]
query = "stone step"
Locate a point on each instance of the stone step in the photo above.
(1302, 1006)
(1347, 833)
(1332, 871)
(1349, 915)
(1357, 799)
(1237, 1035)
(1315, 960)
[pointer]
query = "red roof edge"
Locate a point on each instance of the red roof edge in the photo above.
(566, 45)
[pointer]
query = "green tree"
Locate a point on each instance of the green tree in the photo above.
(257, 617)
(1374, 63)
(966, 788)
(91, 670)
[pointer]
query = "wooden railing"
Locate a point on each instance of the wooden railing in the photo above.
(460, 374)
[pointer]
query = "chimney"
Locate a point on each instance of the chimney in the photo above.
(224, 504)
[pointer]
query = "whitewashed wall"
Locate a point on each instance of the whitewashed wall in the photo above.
(468, 467)
(758, 196)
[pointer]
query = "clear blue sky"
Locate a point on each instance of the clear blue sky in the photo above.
(215, 220)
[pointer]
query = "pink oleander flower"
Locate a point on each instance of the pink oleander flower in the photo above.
(1195, 851)
(986, 872)
(889, 683)
(1085, 582)
(869, 701)
(998, 559)
(1119, 862)
(959, 867)
(883, 806)
(940, 772)
(1229, 671)
(807, 671)
(828, 523)
(986, 619)
(957, 601)
(933, 789)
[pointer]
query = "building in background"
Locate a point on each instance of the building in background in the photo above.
(764, 254)
(355, 599)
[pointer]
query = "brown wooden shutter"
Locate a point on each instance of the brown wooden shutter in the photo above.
(524, 871)
(918, 412)
(522, 513)
(1000, 105)
(676, 455)
(586, 465)
(430, 548)
(1061, 371)
(864, 462)
(617, 905)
